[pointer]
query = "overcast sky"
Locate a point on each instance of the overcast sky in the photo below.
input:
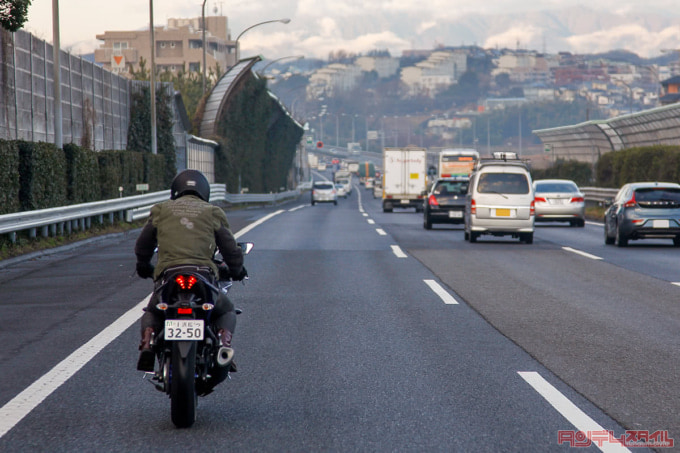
(317, 26)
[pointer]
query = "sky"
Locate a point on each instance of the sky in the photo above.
(317, 27)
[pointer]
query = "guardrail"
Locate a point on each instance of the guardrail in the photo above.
(63, 219)
(598, 194)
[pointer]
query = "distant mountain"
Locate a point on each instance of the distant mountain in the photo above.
(575, 29)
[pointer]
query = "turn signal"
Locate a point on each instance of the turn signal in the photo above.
(162, 306)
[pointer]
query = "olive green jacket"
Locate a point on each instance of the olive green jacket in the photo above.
(187, 231)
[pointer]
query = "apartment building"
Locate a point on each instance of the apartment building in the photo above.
(179, 47)
(440, 70)
(332, 79)
(384, 66)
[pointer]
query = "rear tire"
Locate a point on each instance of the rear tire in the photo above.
(427, 224)
(527, 238)
(621, 241)
(183, 398)
(473, 236)
(676, 241)
(607, 240)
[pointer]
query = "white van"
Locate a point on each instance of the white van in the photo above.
(500, 200)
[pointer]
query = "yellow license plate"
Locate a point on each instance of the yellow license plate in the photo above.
(502, 213)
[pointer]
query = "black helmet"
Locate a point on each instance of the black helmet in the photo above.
(190, 182)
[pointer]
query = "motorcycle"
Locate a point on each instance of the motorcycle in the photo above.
(190, 359)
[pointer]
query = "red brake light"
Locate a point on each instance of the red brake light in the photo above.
(630, 203)
(541, 199)
(473, 207)
(532, 208)
(184, 311)
(185, 282)
(432, 201)
(577, 200)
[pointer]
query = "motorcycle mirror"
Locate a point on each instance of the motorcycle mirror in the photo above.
(246, 247)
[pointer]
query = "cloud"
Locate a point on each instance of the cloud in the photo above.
(518, 34)
(632, 37)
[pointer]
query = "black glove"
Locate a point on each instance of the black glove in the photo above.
(223, 271)
(241, 275)
(145, 270)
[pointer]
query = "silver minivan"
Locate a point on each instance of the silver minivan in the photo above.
(500, 200)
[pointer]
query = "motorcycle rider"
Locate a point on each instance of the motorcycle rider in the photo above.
(186, 229)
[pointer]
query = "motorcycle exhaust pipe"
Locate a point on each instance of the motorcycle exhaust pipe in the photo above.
(225, 356)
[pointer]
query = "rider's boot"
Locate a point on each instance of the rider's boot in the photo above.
(146, 355)
(225, 356)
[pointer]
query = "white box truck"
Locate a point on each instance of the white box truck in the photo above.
(404, 178)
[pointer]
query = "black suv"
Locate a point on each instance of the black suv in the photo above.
(445, 201)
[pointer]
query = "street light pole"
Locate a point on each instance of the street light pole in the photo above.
(204, 57)
(283, 21)
(154, 145)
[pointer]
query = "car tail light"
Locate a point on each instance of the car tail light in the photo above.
(541, 199)
(432, 201)
(630, 203)
(577, 200)
(532, 208)
(473, 207)
(638, 221)
(185, 282)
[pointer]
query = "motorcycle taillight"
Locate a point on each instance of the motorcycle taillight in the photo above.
(185, 281)
(184, 311)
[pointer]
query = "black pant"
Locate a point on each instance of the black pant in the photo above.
(223, 315)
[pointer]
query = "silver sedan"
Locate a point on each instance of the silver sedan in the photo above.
(559, 200)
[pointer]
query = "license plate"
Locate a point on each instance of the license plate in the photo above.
(184, 329)
(404, 201)
(661, 224)
(557, 201)
(455, 214)
(502, 213)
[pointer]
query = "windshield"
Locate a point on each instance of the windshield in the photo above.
(658, 196)
(507, 183)
(545, 187)
(451, 188)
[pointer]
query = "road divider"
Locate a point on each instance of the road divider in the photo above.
(444, 295)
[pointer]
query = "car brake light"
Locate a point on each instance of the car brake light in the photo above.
(630, 203)
(541, 199)
(638, 221)
(432, 201)
(184, 311)
(185, 282)
(473, 207)
(577, 200)
(532, 208)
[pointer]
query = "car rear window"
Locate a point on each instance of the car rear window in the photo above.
(451, 188)
(508, 183)
(658, 197)
(546, 187)
(323, 186)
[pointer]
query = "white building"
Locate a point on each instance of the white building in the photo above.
(384, 66)
(333, 79)
(438, 72)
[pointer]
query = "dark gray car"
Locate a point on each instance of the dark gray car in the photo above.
(445, 202)
(643, 210)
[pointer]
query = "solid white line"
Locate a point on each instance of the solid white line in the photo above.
(370, 221)
(569, 410)
(22, 404)
(441, 292)
(397, 251)
(588, 222)
(297, 207)
(381, 232)
(578, 252)
(256, 223)
(675, 283)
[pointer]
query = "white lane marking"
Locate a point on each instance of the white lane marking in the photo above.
(22, 404)
(441, 292)
(256, 223)
(370, 221)
(675, 283)
(364, 214)
(588, 222)
(297, 207)
(397, 251)
(381, 232)
(579, 252)
(569, 410)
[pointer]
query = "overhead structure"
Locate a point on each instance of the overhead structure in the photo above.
(219, 96)
(587, 141)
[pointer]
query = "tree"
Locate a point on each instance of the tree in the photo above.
(13, 14)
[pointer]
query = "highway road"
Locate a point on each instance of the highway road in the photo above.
(361, 331)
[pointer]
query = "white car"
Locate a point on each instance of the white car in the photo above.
(324, 192)
(340, 189)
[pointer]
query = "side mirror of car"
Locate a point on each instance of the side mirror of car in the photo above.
(607, 203)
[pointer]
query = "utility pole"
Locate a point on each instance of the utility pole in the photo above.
(56, 48)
